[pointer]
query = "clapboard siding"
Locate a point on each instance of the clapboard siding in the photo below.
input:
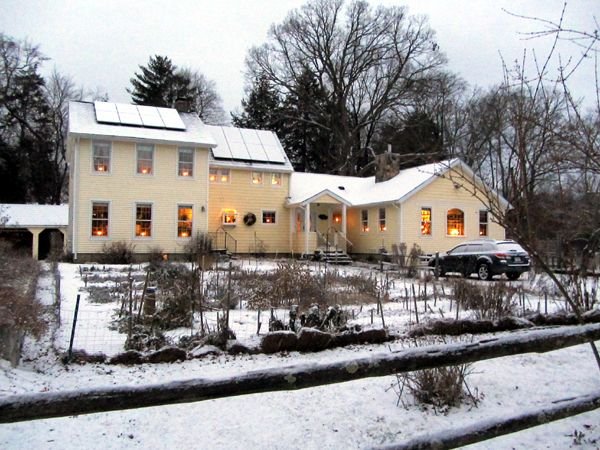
(241, 195)
(123, 188)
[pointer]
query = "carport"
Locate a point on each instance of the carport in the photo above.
(46, 223)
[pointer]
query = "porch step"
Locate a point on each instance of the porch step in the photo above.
(332, 257)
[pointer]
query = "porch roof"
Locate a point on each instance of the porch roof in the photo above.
(33, 215)
(358, 191)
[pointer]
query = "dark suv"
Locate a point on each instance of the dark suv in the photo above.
(486, 258)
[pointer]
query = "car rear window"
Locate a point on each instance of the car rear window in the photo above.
(510, 247)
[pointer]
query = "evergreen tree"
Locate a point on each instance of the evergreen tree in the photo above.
(262, 107)
(306, 141)
(417, 137)
(158, 84)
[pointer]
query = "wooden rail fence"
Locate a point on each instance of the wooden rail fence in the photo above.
(57, 404)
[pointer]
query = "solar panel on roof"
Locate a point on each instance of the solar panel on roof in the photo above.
(244, 144)
(171, 119)
(129, 114)
(250, 136)
(257, 152)
(237, 147)
(222, 148)
(271, 146)
(106, 112)
(150, 116)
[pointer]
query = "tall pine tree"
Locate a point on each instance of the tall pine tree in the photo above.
(157, 84)
(261, 107)
(306, 140)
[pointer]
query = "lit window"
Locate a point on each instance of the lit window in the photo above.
(257, 178)
(483, 223)
(143, 220)
(99, 219)
(382, 226)
(268, 217)
(184, 221)
(426, 221)
(101, 156)
(456, 222)
(219, 175)
(185, 163)
(364, 220)
(275, 179)
(145, 156)
(230, 217)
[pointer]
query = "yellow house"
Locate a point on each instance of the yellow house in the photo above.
(154, 178)
(432, 206)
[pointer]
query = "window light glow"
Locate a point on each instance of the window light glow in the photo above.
(229, 216)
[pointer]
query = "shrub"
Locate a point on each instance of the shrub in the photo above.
(490, 301)
(118, 252)
(441, 387)
(413, 261)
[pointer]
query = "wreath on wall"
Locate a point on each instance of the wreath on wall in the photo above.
(249, 219)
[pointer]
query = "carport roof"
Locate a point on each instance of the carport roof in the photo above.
(33, 215)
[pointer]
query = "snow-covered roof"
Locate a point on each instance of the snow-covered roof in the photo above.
(248, 148)
(83, 123)
(357, 191)
(33, 215)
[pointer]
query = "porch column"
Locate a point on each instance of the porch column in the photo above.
(306, 227)
(344, 220)
(35, 241)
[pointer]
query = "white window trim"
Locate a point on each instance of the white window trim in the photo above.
(191, 205)
(262, 219)
(110, 158)
(236, 215)
(487, 222)
(135, 205)
(193, 175)
(91, 218)
(385, 221)
(457, 236)
(280, 180)
(262, 178)
(153, 167)
(430, 235)
(360, 221)
(217, 181)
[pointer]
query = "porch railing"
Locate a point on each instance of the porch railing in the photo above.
(222, 241)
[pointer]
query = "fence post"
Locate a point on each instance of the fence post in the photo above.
(70, 355)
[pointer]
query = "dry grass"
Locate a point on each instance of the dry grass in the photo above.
(18, 280)
(490, 301)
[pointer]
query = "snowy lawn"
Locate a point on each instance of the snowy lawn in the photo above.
(356, 414)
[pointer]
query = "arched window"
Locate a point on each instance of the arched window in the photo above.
(456, 222)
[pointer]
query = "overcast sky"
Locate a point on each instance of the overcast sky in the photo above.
(101, 43)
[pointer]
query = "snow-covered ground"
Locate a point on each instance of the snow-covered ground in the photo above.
(355, 414)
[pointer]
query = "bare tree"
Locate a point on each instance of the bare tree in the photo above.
(366, 59)
(546, 150)
(203, 94)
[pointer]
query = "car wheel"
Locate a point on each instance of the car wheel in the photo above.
(512, 276)
(483, 272)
